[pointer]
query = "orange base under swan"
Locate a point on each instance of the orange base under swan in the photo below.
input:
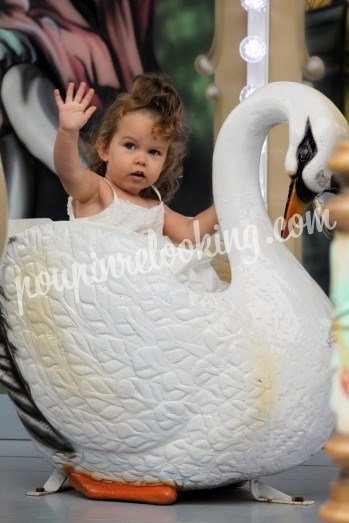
(101, 489)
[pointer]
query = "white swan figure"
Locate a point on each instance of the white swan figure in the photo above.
(135, 381)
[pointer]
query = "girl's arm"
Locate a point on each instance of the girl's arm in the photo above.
(179, 227)
(74, 112)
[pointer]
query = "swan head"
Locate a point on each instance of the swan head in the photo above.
(307, 164)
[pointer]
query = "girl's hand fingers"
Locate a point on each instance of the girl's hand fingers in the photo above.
(87, 98)
(70, 92)
(58, 98)
(80, 101)
(79, 95)
(89, 112)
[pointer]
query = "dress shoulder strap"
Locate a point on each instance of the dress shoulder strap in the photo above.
(110, 184)
(157, 192)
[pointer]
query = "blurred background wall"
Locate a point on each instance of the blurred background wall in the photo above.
(327, 36)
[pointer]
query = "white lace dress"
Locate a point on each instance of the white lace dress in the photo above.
(190, 266)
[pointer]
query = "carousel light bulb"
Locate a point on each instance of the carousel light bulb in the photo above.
(253, 49)
(246, 91)
(254, 5)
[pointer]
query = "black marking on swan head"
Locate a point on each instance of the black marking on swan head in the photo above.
(306, 151)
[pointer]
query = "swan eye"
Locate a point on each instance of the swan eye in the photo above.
(304, 153)
(307, 148)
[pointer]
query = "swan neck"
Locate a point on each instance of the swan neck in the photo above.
(236, 165)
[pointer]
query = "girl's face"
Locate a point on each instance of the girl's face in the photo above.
(136, 154)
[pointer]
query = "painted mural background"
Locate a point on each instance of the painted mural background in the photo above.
(45, 43)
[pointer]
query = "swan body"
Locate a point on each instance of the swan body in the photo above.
(136, 379)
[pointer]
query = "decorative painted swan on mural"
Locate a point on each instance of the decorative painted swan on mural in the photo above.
(128, 379)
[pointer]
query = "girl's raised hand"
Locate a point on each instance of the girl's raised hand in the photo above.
(75, 111)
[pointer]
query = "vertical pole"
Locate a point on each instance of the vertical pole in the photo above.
(336, 510)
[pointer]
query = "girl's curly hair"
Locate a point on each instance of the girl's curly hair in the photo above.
(152, 93)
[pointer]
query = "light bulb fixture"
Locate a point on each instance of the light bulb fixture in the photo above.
(246, 91)
(254, 5)
(253, 49)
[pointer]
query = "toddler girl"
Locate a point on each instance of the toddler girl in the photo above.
(135, 166)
